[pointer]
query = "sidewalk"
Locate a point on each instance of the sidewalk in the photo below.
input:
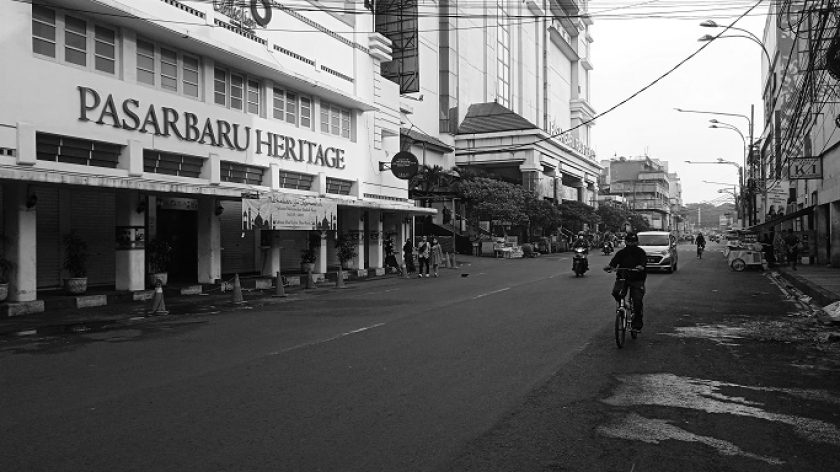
(61, 316)
(820, 283)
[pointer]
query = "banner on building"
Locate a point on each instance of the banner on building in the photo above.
(805, 168)
(289, 212)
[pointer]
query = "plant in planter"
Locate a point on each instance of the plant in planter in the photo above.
(347, 249)
(307, 259)
(158, 257)
(6, 266)
(75, 263)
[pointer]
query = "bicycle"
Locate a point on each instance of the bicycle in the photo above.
(700, 250)
(624, 311)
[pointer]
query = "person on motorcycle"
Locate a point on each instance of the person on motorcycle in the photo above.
(582, 242)
(701, 244)
(631, 257)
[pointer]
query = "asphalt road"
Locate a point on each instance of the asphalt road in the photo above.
(511, 368)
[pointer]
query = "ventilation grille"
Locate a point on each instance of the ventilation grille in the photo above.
(295, 55)
(178, 165)
(240, 173)
(385, 197)
(338, 186)
(7, 152)
(336, 73)
(51, 147)
(241, 32)
(188, 9)
(295, 180)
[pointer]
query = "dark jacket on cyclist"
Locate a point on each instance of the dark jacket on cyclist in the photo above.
(629, 258)
(700, 241)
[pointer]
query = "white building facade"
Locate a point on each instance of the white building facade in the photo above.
(121, 123)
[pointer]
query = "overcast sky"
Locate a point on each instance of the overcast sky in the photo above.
(631, 51)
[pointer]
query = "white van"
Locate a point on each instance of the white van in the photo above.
(661, 249)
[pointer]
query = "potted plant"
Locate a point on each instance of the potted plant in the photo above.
(75, 263)
(307, 259)
(347, 249)
(158, 257)
(6, 267)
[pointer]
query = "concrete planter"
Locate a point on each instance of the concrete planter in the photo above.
(76, 285)
(307, 267)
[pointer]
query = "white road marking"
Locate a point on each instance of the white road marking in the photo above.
(491, 293)
(322, 341)
(381, 291)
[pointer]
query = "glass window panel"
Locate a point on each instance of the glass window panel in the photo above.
(191, 89)
(291, 108)
(75, 57)
(168, 55)
(105, 50)
(43, 14)
(145, 77)
(45, 48)
(325, 117)
(191, 63)
(75, 25)
(168, 69)
(147, 63)
(279, 100)
(305, 112)
(220, 86)
(168, 83)
(105, 34)
(75, 41)
(43, 30)
(105, 65)
(190, 77)
(335, 121)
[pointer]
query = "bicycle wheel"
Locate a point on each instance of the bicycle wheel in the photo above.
(620, 326)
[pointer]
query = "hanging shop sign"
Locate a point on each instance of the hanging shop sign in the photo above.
(805, 168)
(404, 165)
(172, 203)
(289, 212)
(186, 126)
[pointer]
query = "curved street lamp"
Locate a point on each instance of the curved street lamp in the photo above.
(707, 37)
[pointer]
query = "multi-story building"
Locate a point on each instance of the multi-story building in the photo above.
(166, 118)
(503, 86)
(647, 187)
(797, 186)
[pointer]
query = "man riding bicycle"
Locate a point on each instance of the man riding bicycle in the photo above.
(701, 244)
(631, 257)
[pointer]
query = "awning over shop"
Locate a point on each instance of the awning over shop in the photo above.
(775, 222)
(431, 141)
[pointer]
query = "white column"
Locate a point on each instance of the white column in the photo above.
(21, 250)
(321, 260)
(272, 253)
(376, 259)
(209, 241)
(356, 223)
(130, 261)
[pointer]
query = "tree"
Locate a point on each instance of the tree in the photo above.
(638, 222)
(613, 218)
(490, 199)
(544, 215)
(576, 214)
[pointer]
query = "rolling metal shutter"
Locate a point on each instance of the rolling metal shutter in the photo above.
(237, 252)
(48, 263)
(92, 215)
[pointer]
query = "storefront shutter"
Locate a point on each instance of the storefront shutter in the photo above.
(48, 238)
(237, 252)
(92, 215)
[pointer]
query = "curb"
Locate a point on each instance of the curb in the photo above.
(818, 294)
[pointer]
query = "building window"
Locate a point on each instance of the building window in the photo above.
(71, 39)
(236, 91)
(167, 68)
(335, 120)
(397, 20)
(503, 53)
(292, 108)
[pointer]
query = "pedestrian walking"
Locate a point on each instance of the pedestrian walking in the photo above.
(792, 247)
(436, 255)
(423, 251)
(408, 256)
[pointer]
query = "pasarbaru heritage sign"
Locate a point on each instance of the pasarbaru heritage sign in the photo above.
(166, 121)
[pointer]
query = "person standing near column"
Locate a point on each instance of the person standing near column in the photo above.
(792, 248)
(423, 251)
(436, 255)
(408, 256)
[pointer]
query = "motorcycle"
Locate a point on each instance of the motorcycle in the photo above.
(608, 248)
(580, 263)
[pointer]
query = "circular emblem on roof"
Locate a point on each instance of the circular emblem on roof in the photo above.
(404, 165)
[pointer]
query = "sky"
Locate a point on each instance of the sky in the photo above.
(636, 45)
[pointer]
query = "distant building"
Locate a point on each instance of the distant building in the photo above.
(647, 188)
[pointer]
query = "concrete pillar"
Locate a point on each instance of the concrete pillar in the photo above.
(271, 264)
(376, 257)
(22, 248)
(356, 225)
(321, 261)
(209, 241)
(130, 259)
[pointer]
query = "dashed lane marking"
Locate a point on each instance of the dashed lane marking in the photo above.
(326, 340)
(491, 293)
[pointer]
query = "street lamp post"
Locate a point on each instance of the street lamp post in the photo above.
(742, 209)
